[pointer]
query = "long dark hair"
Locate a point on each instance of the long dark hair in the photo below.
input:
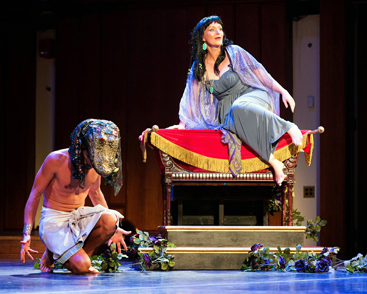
(198, 54)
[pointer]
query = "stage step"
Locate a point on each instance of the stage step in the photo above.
(195, 244)
(233, 236)
(216, 258)
(10, 247)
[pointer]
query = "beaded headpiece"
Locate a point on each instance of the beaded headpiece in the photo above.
(101, 139)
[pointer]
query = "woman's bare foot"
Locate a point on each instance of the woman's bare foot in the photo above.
(92, 270)
(296, 135)
(47, 261)
(278, 169)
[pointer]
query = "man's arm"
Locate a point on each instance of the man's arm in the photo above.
(42, 179)
(96, 195)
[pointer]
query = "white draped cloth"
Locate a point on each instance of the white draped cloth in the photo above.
(64, 232)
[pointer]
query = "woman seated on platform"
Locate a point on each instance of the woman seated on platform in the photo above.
(245, 95)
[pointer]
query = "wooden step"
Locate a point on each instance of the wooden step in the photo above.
(233, 236)
(10, 247)
(216, 258)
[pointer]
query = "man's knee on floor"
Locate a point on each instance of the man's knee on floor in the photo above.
(79, 265)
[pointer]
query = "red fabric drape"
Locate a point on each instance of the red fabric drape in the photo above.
(208, 143)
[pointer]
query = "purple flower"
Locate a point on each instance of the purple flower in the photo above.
(147, 260)
(322, 265)
(153, 239)
(301, 265)
(132, 239)
(282, 262)
(256, 247)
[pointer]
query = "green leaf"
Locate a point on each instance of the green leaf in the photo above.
(37, 264)
(171, 245)
(279, 250)
(104, 266)
(287, 251)
(171, 263)
(164, 266)
(113, 247)
(323, 223)
(317, 219)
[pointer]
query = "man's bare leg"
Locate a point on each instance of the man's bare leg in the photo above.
(296, 135)
(80, 262)
(278, 169)
(102, 232)
(47, 261)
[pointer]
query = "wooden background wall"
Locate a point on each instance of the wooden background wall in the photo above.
(128, 63)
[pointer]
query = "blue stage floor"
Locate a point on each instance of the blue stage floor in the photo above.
(18, 278)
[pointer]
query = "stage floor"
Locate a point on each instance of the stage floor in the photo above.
(17, 278)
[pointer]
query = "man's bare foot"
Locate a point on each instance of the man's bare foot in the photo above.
(47, 261)
(92, 270)
(296, 135)
(278, 169)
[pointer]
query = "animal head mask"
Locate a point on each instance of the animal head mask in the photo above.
(101, 139)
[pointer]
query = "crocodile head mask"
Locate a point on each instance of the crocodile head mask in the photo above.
(101, 140)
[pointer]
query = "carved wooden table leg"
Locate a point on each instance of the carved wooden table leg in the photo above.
(284, 206)
(168, 204)
(164, 193)
(290, 184)
(168, 165)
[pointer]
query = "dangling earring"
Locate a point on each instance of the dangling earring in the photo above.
(204, 46)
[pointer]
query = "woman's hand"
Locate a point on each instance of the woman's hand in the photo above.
(288, 100)
(180, 126)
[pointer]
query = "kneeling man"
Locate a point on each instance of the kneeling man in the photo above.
(71, 231)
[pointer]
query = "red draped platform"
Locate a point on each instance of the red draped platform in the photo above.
(202, 150)
(198, 157)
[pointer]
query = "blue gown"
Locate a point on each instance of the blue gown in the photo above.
(247, 112)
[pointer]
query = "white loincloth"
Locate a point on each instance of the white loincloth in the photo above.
(64, 233)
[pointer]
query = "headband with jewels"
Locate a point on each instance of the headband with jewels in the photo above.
(101, 139)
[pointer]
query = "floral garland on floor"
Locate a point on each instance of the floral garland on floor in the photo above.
(158, 257)
(260, 258)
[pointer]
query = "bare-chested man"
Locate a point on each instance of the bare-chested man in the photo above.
(70, 231)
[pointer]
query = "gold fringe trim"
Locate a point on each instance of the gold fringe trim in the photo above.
(221, 165)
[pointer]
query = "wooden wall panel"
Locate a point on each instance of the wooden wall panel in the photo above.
(68, 55)
(114, 84)
(333, 118)
(19, 119)
(89, 90)
(362, 125)
(3, 79)
(275, 47)
(248, 29)
(159, 55)
(227, 14)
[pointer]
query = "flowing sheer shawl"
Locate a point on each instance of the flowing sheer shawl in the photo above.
(197, 112)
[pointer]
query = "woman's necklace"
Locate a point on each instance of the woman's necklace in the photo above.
(211, 87)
